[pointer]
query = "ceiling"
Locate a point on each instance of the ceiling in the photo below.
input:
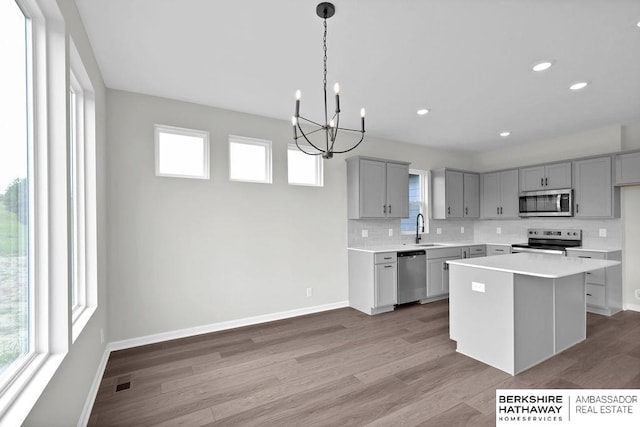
(468, 61)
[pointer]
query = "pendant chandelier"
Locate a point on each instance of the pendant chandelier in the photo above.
(331, 126)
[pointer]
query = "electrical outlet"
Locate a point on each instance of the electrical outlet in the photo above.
(602, 232)
(461, 230)
(438, 230)
(391, 232)
(365, 233)
(101, 335)
(637, 293)
(309, 292)
(498, 230)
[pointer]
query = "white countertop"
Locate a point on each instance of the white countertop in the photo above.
(539, 265)
(400, 247)
(596, 249)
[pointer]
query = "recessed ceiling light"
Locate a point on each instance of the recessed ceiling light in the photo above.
(422, 111)
(578, 85)
(541, 66)
(505, 134)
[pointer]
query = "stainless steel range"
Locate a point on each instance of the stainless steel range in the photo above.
(548, 241)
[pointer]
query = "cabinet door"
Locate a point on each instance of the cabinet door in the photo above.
(557, 176)
(471, 193)
(386, 284)
(435, 275)
(491, 195)
(532, 179)
(593, 189)
(628, 168)
(454, 185)
(372, 189)
(397, 190)
(509, 194)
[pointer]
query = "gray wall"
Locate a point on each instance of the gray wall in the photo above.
(63, 399)
(187, 253)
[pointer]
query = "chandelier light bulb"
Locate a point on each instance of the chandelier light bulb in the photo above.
(294, 121)
(298, 95)
(336, 88)
(362, 112)
(331, 123)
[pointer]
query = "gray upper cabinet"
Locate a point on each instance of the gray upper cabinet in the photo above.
(594, 194)
(455, 194)
(546, 177)
(500, 195)
(628, 168)
(377, 188)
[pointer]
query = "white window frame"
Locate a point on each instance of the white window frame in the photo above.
(83, 231)
(174, 130)
(235, 139)
(319, 165)
(48, 93)
(423, 204)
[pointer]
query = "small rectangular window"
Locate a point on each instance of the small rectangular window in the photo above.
(304, 169)
(182, 153)
(417, 202)
(249, 159)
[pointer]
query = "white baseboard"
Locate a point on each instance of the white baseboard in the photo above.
(93, 391)
(632, 307)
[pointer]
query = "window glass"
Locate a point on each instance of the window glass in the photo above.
(304, 169)
(15, 289)
(182, 152)
(417, 202)
(249, 159)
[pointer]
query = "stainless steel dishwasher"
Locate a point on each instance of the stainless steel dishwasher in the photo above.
(412, 276)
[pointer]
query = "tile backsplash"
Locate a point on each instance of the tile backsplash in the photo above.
(511, 231)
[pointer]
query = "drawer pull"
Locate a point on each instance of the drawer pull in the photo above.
(580, 256)
(499, 250)
(388, 257)
(388, 266)
(588, 272)
(589, 295)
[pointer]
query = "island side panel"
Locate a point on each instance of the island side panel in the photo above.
(570, 311)
(361, 281)
(534, 320)
(482, 321)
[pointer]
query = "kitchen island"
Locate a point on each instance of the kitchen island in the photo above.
(515, 311)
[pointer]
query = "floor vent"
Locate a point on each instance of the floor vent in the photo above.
(123, 386)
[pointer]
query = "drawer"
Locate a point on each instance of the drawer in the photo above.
(478, 250)
(498, 250)
(385, 257)
(596, 277)
(587, 254)
(596, 295)
(455, 253)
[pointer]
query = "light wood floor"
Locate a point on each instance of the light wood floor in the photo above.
(342, 368)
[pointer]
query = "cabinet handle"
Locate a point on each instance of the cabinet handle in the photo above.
(466, 211)
(500, 210)
(389, 208)
(577, 207)
(449, 210)
(384, 209)
(546, 182)
(541, 182)
(588, 272)
(589, 295)
(581, 256)
(388, 257)
(499, 250)
(497, 210)
(388, 266)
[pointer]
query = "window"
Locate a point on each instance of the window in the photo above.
(249, 159)
(182, 153)
(16, 286)
(417, 201)
(303, 168)
(82, 190)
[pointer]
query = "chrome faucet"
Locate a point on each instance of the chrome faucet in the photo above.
(417, 229)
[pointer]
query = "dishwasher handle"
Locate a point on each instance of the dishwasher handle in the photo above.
(411, 253)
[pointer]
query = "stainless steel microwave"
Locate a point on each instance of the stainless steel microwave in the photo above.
(546, 203)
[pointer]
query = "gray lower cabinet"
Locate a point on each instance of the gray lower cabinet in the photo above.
(475, 251)
(438, 272)
(377, 188)
(546, 177)
(628, 168)
(500, 195)
(373, 281)
(604, 286)
(497, 249)
(594, 194)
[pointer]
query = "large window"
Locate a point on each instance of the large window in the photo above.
(82, 190)
(304, 169)
(417, 201)
(249, 159)
(16, 306)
